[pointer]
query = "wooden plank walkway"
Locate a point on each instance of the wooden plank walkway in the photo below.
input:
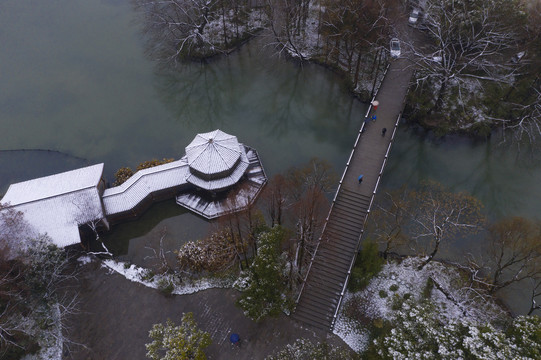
(325, 283)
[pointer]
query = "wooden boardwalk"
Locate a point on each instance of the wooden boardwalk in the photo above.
(329, 271)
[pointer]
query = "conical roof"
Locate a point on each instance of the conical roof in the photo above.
(213, 153)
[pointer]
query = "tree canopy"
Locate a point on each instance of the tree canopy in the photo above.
(267, 283)
(417, 333)
(183, 342)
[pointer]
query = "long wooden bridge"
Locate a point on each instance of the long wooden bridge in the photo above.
(330, 268)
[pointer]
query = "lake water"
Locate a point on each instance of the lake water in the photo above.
(74, 79)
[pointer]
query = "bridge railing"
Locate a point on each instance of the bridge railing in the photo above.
(368, 211)
(365, 219)
(338, 191)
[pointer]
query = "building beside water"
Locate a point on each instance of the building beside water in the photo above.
(218, 175)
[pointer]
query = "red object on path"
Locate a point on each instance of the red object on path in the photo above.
(375, 104)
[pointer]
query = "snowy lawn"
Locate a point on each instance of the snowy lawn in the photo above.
(399, 281)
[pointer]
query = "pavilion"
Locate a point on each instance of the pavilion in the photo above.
(218, 175)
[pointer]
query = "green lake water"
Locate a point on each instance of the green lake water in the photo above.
(74, 79)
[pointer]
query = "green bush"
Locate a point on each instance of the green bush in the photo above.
(147, 275)
(154, 162)
(183, 342)
(427, 291)
(25, 346)
(367, 265)
(481, 129)
(397, 302)
(166, 286)
(266, 294)
(382, 294)
(393, 287)
(122, 175)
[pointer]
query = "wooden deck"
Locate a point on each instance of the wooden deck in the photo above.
(326, 281)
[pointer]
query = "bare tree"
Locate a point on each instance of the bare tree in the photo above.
(467, 40)
(241, 221)
(195, 29)
(428, 217)
(523, 98)
(159, 254)
(514, 252)
(32, 300)
(274, 198)
(90, 214)
(535, 294)
(309, 206)
(526, 124)
(287, 22)
(438, 214)
(177, 27)
(389, 220)
(14, 231)
(33, 272)
(11, 298)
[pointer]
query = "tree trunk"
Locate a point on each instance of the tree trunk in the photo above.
(224, 25)
(431, 256)
(357, 70)
(441, 93)
(378, 56)
(337, 51)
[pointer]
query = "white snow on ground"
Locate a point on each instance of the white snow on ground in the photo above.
(85, 259)
(50, 340)
(307, 42)
(214, 29)
(138, 274)
(351, 331)
(398, 279)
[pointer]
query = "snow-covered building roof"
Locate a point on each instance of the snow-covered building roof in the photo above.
(54, 185)
(216, 160)
(58, 204)
(144, 182)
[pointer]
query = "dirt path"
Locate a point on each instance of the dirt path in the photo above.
(116, 315)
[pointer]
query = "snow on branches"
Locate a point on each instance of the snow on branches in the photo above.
(214, 253)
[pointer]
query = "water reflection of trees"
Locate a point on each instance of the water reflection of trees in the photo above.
(193, 93)
(271, 95)
(207, 95)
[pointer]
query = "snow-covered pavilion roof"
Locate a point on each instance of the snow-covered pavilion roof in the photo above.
(213, 153)
(58, 204)
(223, 182)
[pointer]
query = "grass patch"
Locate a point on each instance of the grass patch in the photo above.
(367, 265)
